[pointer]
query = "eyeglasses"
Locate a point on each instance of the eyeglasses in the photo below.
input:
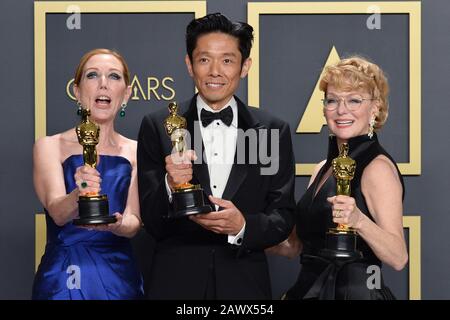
(352, 103)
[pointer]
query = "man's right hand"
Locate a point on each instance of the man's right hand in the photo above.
(179, 167)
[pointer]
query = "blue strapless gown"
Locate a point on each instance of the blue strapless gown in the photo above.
(80, 264)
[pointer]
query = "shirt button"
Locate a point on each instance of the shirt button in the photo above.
(215, 153)
(214, 187)
(239, 240)
(218, 123)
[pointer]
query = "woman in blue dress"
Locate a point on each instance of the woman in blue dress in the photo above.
(94, 262)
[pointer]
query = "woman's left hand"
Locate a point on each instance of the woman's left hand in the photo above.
(112, 227)
(345, 211)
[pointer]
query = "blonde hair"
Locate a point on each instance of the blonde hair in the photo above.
(358, 73)
(88, 55)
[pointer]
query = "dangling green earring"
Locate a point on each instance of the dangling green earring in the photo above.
(122, 110)
(79, 108)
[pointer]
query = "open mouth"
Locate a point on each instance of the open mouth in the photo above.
(103, 100)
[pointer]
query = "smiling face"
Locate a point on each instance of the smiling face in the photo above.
(345, 123)
(102, 87)
(217, 68)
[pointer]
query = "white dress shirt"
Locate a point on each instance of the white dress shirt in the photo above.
(219, 141)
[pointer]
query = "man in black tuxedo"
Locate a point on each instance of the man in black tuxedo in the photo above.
(218, 255)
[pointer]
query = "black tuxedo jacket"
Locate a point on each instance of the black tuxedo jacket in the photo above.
(188, 257)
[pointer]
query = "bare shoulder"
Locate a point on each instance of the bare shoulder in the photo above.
(380, 170)
(68, 144)
(128, 148)
(128, 144)
(318, 167)
(47, 153)
(382, 189)
(316, 171)
(58, 146)
(47, 145)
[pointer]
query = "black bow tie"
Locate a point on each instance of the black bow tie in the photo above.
(226, 115)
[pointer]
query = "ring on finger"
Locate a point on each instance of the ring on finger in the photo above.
(338, 213)
(83, 184)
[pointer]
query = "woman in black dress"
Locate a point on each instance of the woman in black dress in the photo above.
(355, 106)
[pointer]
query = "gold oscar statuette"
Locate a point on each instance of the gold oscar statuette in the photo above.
(187, 198)
(343, 170)
(93, 208)
(341, 241)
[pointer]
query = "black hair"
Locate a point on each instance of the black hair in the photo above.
(217, 22)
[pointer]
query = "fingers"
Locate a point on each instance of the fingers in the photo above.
(87, 179)
(116, 225)
(118, 216)
(205, 219)
(213, 221)
(339, 213)
(93, 227)
(98, 227)
(177, 177)
(191, 155)
(342, 217)
(340, 199)
(119, 219)
(88, 187)
(215, 218)
(182, 158)
(179, 167)
(342, 208)
(105, 227)
(228, 221)
(86, 170)
(221, 202)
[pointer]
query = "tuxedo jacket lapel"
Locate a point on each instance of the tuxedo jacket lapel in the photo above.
(239, 171)
(200, 170)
